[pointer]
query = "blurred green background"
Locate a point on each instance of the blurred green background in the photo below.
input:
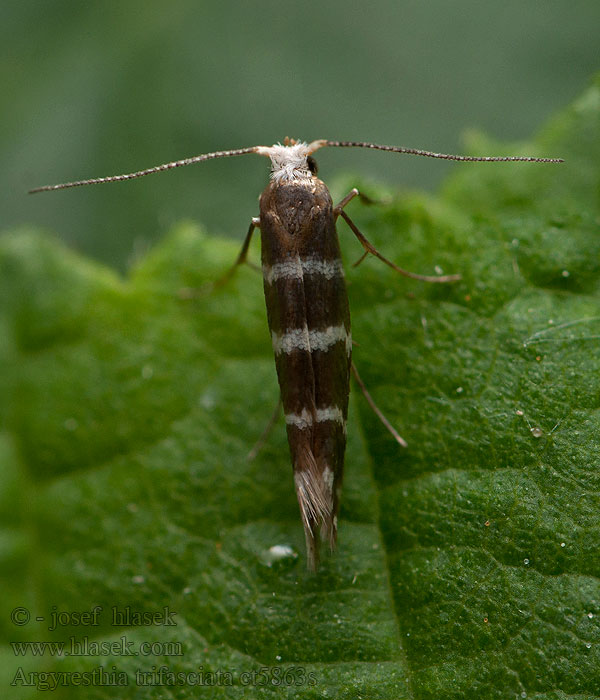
(98, 88)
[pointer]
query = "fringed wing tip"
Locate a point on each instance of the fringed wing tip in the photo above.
(316, 506)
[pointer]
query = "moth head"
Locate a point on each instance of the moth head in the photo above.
(291, 160)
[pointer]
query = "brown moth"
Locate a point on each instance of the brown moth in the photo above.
(308, 313)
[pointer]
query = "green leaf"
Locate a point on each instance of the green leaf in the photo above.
(468, 564)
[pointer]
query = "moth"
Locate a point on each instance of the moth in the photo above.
(308, 313)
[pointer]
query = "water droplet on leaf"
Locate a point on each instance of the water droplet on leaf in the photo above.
(279, 555)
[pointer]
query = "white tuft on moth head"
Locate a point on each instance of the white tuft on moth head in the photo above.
(288, 163)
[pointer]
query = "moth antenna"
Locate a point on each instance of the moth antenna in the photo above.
(148, 171)
(431, 154)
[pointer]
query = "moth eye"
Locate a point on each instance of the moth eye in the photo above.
(312, 165)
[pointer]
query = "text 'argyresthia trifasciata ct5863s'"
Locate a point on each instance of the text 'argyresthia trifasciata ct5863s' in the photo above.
(308, 313)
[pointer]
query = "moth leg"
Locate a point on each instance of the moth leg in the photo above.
(354, 192)
(259, 444)
(370, 248)
(243, 255)
(376, 409)
(188, 293)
